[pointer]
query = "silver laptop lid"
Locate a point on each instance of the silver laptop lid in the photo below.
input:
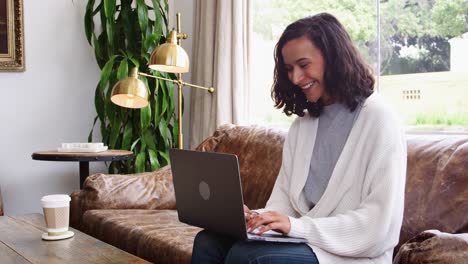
(208, 191)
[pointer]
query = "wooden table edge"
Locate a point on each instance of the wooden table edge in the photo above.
(23, 218)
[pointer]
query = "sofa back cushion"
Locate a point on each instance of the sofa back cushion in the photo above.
(259, 150)
(436, 194)
(148, 190)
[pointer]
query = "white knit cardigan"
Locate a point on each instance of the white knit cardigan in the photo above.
(359, 216)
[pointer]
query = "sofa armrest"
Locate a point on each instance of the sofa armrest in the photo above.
(150, 190)
(435, 247)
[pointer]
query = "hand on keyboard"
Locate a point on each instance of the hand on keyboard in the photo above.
(255, 231)
(270, 220)
(268, 232)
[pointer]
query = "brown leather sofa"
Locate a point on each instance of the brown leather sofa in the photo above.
(137, 213)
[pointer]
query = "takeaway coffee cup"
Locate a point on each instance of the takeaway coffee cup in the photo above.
(57, 214)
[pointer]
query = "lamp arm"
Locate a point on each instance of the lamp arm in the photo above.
(157, 77)
(209, 89)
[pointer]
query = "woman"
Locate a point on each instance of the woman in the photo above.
(341, 183)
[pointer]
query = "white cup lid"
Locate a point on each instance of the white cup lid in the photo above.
(55, 200)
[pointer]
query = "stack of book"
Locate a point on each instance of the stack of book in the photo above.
(82, 147)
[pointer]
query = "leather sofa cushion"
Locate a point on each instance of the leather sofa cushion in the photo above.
(434, 247)
(259, 150)
(149, 190)
(436, 186)
(155, 235)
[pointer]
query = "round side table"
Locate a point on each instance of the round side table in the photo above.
(83, 158)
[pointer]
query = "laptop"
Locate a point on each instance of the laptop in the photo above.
(209, 194)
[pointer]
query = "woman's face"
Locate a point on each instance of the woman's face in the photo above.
(306, 67)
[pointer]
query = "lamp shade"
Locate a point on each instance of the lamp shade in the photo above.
(130, 92)
(170, 57)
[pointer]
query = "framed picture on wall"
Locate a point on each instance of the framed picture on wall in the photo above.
(11, 35)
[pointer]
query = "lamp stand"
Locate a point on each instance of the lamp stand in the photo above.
(179, 111)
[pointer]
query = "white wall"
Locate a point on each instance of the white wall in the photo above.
(459, 53)
(52, 101)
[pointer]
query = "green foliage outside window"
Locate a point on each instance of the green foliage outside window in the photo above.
(441, 119)
(424, 24)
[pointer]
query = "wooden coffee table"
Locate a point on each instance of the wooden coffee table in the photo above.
(20, 242)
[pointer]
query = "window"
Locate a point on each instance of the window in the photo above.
(421, 56)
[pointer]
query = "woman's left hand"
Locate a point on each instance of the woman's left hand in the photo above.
(269, 221)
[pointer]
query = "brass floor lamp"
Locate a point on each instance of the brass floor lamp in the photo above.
(169, 57)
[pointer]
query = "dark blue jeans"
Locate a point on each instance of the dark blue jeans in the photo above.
(213, 248)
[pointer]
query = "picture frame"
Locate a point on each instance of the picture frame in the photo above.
(11, 36)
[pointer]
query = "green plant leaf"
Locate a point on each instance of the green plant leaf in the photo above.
(122, 71)
(97, 48)
(134, 144)
(153, 159)
(165, 155)
(145, 117)
(97, 9)
(105, 133)
(149, 140)
(150, 41)
(115, 132)
(175, 133)
(110, 33)
(88, 20)
(133, 60)
(103, 51)
(109, 9)
(158, 16)
(90, 136)
(142, 15)
(110, 108)
(140, 162)
(170, 99)
(106, 72)
(164, 13)
(164, 96)
(99, 103)
(143, 144)
(127, 136)
(163, 125)
(157, 109)
(109, 12)
(126, 24)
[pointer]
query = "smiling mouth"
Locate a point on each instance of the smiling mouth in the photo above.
(307, 86)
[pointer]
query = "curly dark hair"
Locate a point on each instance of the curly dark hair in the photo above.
(348, 79)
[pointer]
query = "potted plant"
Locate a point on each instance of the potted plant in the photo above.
(123, 36)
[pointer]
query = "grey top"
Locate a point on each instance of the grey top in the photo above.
(334, 126)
